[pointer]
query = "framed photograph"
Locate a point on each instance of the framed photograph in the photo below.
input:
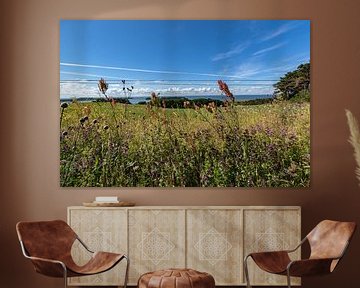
(184, 103)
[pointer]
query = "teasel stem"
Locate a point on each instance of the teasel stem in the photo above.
(70, 163)
(63, 107)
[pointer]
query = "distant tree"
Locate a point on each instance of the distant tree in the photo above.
(294, 84)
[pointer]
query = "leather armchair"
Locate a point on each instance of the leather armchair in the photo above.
(328, 242)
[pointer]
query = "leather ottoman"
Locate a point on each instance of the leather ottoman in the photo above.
(176, 278)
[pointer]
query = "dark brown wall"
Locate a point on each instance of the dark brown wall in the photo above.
(29, 118)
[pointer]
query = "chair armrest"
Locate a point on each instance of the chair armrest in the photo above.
(298, 246)
(309, 267)
(84, 245)
(48, 267)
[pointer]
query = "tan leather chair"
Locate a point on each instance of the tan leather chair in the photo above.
(328, 242)
(48, 245)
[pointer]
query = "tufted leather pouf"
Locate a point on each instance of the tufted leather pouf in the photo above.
(176, 278)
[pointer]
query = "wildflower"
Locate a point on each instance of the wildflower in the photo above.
(87, 110)
(292, 169)
(153, 96)
(292, 137)
(155, 101)
(64, 105)
(225, 89)
(269, 131)
(212, 106)
(186, 104)
(103, 86)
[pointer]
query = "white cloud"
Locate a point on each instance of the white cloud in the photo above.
(237, 50)
(281, 30)
(268, 49)
(90, 75)
(143, 70)
(248, 68)
(89, 89)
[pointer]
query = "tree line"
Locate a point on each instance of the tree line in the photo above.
(294, 85)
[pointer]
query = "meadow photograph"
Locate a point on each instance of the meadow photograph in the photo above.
(184, 103)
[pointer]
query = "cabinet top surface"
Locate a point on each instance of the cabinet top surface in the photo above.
(192, 207)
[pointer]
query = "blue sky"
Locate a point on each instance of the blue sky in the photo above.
(184, 57)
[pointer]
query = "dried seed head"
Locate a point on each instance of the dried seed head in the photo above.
(95, 121)
(106, 127)
(64, 105)
(65, 133)
(153, 96)
(83, 119)
(225, 89)
(103, 86)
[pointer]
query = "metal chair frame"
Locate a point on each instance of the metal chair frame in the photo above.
(23, 249)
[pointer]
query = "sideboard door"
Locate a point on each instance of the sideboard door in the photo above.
(101, 230)
(270, 230)
(156, 240)
(214, 244)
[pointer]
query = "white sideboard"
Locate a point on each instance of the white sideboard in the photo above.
(211, 239)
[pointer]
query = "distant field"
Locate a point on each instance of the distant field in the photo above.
(108, 145)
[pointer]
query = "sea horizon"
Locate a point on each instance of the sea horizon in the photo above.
(137, 99)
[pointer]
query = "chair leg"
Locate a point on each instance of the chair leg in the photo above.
(127, 271)
(246, 270)
(288, 278)
(65, 276)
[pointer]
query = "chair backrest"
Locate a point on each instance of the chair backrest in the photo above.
(46, 239)
(329, 239)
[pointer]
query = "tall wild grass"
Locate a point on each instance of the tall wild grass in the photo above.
(112, 144)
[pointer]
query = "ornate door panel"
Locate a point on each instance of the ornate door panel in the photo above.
(214, 241)
(101, 230)
(269, 230)
(156, 240)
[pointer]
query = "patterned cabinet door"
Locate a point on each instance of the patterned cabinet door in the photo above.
(156, 240)
(269, 230)
(214, 244)
(101, 230)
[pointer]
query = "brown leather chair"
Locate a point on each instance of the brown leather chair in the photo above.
(48, 245)
(328, 242)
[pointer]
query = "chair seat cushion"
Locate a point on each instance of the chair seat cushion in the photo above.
(176, 278)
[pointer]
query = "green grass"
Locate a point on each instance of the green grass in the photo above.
(244, 146)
